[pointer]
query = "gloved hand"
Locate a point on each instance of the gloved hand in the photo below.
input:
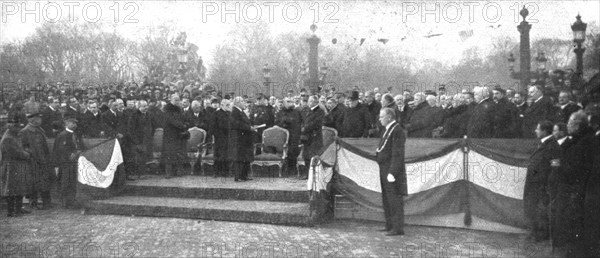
(391, 178)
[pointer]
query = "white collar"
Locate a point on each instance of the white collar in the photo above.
(546, 138)
(538, 99)
(313, 108)
(564, 106)
(68, 130)
(482, 101)
(561, 140)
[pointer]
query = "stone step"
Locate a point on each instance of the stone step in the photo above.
(267, 212)
(199, 187)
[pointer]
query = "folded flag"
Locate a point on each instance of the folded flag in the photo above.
(97, 166)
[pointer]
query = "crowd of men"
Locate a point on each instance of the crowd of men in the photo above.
(234, 123)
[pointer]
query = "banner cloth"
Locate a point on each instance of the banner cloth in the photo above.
(478, 182)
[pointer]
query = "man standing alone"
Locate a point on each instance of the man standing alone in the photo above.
(392, 172)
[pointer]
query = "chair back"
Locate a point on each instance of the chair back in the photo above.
(275, 137)
(197, 137)
(157, 140)
(329, 135)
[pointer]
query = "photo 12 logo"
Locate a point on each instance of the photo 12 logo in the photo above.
(453, 12)
(252, 12)
(119, 12)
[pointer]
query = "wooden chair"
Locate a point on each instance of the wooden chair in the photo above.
(273, 148)
(194, 146)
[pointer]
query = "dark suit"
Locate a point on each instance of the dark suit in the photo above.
(422, 121)
(564, 113)
(576, 166)
(142, 128)
(312, 131)
(335, 117)
(506, 115)
(91, 125)
(541, 110)
(51, 121)
(356, 122)
(535, 194)
(66, 145)
(199, 120)
(221, 134)
(591, 205)
(240, 147)
(481, 123)
(390, 158)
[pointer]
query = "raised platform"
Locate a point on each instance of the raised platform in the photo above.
(262, 200)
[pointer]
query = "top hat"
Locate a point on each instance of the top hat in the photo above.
(354, 95)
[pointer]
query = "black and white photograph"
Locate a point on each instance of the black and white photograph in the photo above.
(309, 128)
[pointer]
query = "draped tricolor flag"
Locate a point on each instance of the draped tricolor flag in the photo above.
(474, 183)
(97, 166)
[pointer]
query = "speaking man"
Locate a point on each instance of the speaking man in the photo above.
(392, 172)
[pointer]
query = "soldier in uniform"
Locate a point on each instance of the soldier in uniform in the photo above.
(34, 138)
(67, 147)
(14, 169)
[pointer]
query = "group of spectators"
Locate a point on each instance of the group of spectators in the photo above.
(234, 123)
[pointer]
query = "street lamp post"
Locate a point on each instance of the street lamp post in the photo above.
(267, 77)
(578, 29)
(182, 58)
(313, 61)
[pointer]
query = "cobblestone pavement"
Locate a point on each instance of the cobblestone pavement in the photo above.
(69, 233)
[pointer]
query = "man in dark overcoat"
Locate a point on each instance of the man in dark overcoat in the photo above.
(392, 172)
(312, 133)
(506, 116)
(291, 119)
(481, 122)
(575, 168)
(92, 121)
(220, 128)
(592, 195)
(536, 193)
(422, 120)
(261, 114)
(141, 125)
(34, 138)
(356, 121)
(175, 136)
(541, 108)
(67, 147)
(241, 146)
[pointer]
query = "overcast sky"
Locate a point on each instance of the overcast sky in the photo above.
(412, 28)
